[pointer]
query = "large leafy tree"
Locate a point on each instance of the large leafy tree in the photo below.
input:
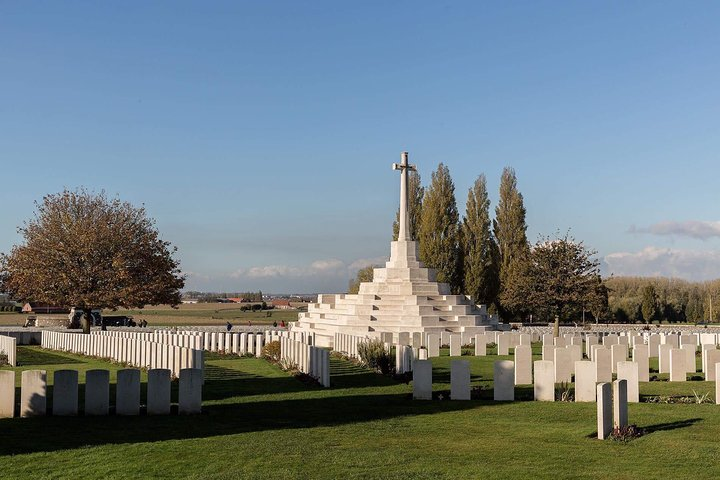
(479, 249)
(87, 251)
(510, 229)
(560, 278)
(649, 305)
(439, 233)
(415, 200)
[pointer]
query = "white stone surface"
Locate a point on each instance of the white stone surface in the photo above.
(604, 410)
(678, 365)
(620, 403)
(455, 344)
(690, 363)
(7, 393)
(712, 358)
(503, 380)
(628, 371)
(619, 353)
(503, 346)
(460, 380)
(523, 365)
(127, 392)
(190, 391)
(664, 357)
(433, 345)
(641, 357)
(544, 381)
(158, 392)
(422, 380)
(65, 393)
(97, 392)
(33, 393)
(563, 365)
(603, 363)
(585, 380)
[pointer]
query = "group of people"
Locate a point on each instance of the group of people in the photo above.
(249, 324)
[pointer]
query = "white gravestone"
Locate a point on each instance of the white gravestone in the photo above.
(7, 393)
(503, 346)
(544, 385)
(503, 380)
(33, 393)
(422, 380)
(158, 392)
(563, 365)
(97, 392)
(640, 356)
(65, 393)
(690, 364)
(127, 392)
(603, 362)
(455, 344)
(628, 371)
(604, 410)
(664, 357)
(190, 391)
(678, 367)
(523, 365)
(480, 345)
(585, 375)
(620, 404)
(433, 345)
(619, 354)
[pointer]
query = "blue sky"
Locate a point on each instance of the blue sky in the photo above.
(260, 135)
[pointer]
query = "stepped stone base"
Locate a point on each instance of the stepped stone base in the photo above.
(403, 297)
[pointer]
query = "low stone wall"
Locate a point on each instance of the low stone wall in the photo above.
(33, 393)
(23, 336)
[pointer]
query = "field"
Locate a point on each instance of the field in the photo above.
(186, 314)
(259, 422)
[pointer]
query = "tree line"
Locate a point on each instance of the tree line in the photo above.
(648, 300)
(490, 259)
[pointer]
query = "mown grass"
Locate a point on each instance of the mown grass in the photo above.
(258, 422)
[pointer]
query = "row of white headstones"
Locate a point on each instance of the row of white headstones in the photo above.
(33, 392)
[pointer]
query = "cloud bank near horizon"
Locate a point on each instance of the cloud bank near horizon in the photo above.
(651, 261)
(701, 230)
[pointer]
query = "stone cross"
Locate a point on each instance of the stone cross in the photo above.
(403, 166)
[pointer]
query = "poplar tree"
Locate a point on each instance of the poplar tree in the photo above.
(510, 232)
(649, 305)
(415, 199)
(479, 249)
(439, 232)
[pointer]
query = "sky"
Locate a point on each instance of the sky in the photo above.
(260, 135)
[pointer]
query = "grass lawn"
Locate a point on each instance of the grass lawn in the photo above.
(258, 422)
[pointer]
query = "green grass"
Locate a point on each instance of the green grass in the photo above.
(260, 423)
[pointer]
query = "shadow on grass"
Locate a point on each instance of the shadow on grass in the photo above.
(48, 434)
(660, 427)
(35, 356)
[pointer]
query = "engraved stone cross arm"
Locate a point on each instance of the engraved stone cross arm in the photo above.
(403, 166)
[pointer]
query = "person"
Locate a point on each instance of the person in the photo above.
(282, 323)
(249, 324)
(274, 324)
(229, 326)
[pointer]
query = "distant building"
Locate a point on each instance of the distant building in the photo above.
(281, 304)
(237, 300)
(190, 300)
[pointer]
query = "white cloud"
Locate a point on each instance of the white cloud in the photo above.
(656, 261)
(701, 230)
(366, 262)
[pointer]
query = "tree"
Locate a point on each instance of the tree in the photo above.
(559, 279)
(597, 301)
(363, 275)
(415, 199)
(439, 233)
(479, 249)
(86, 251)
(649, 305)
(510, 232)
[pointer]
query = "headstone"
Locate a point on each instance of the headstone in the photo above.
(503, 380)
(503, 346)
(190, 391)
(455, 344)
(585, 375)
(604, 410)
(654, 345)
(712, 358)
(689, 339)
(158, 392)
(703, 352)
(560, 342)
(717, 384)
(127, 392)
(65, 393)
(609, 340)
(417, 340)
(628, 371)
(97, 392)
(603, 362)
(33, 393)
(523, 365)
(690, 364)
(422, 353)
(563, 365)
(460, 380)
(575, 352)
(422, 380)
(678, 365)
(404, 338)
(590, 340)
(544, 385)
(671, 339)
(433, 345)
(547, 339)
(548, 352)
(640, 356)
(620, 404)
(480, 345)
(664, 357)
(7, 393)
(619, 354)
